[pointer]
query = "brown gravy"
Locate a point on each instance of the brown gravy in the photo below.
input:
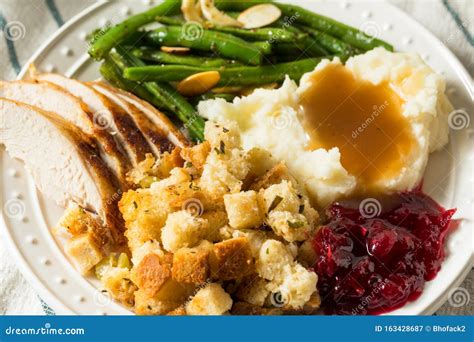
(363, 120)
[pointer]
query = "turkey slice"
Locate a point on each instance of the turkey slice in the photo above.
(107, 116)
(62, 160)
(50, 97)
(156, 137)
(175, 136)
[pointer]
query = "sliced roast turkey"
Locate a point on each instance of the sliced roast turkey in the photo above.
(50, 97)
(62, 160)
(175, 136)
(107, 116)
(156, 137)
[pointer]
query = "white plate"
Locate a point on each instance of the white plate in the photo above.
(448, 178)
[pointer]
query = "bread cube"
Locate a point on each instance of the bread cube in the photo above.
(144, 216)
(191, 265)
(222, 137)
(84, 252)
(153, 275)
(146, 305)
(149, 247)
(276, 175)
(298, 286)
(281, 197)
(272, 257)
(197, 154)
(216, 179)
(210, 300)
(231, 259)
(306, 254)
(237, 163)
(253, 290)
(255, 238)
(260, 161)
(291, 227)
(182, 229)
(243, 210)
(78, 221)
(116, 280)
(216, 219)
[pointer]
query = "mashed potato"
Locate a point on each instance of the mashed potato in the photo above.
(272, 120)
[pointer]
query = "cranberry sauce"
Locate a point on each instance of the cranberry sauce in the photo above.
(375, 255)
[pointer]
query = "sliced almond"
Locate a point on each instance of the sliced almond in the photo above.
(215, 16)
(198, 84)
(175, 49)
(191, 11)
(259, 16)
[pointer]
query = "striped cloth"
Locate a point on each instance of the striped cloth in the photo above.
(25, 24)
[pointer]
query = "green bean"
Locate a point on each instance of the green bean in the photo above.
(110, 71)
(120, 32)
(206, 40)
(319, 22)
(240, 76)
(288, 25)
(330, 43)
(170, 21)
(210, 96)
(166, 94)
(265, 48)
(274, 34)
(154, 55)
(305, 47)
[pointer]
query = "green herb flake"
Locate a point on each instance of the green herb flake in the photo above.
(295, 224)
(276, 201)
(222, 147)
(135, 205)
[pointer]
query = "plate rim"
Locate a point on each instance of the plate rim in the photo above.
(60, 308)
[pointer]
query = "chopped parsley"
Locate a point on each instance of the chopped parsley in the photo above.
(295, 224)
(276, 201)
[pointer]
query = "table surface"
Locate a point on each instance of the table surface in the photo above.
(450, 20)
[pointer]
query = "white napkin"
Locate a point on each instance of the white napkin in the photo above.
(33, 21)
